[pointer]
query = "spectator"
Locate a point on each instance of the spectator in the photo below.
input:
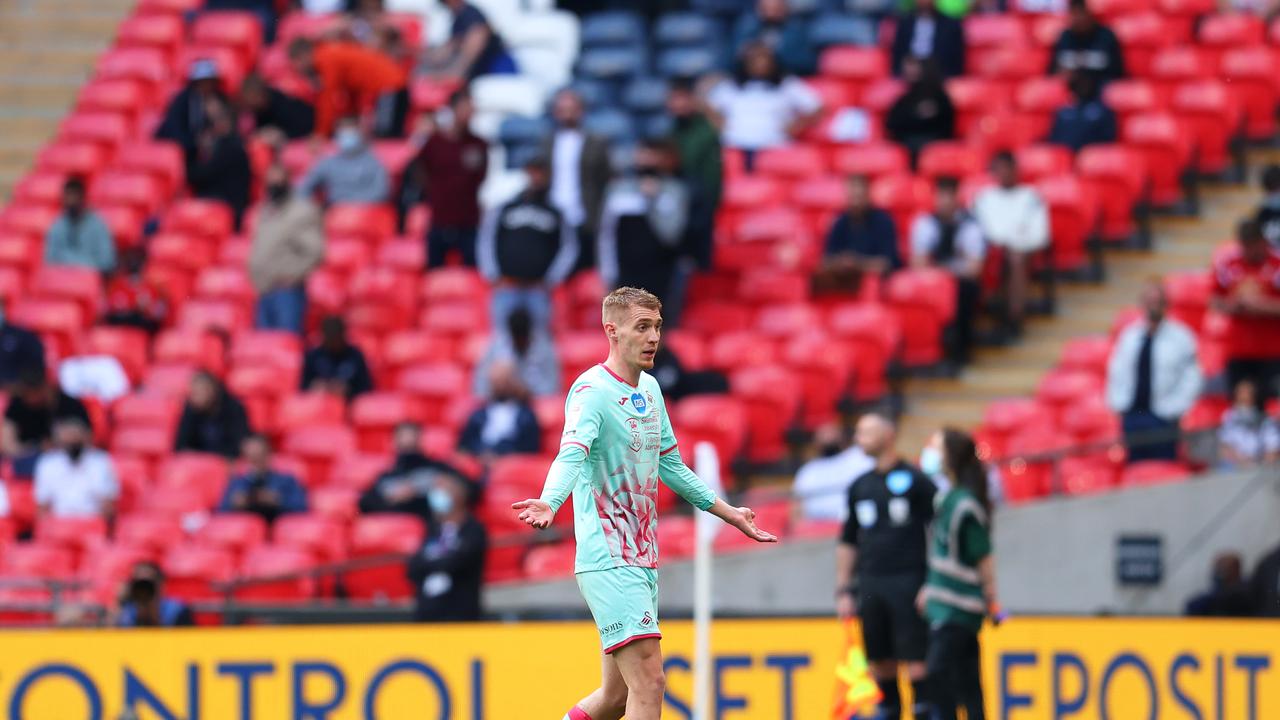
(473, 48)
(1087, 121)
(950, 239)
(933, 464)
(1264, 586)
(1013, 216)
(530, 349)
(1153, 377)
(923, 113)
(861, 240)
(79, 237)
(1247, 436)
(926, 34)
(288, 244)
(213, 420)
(187, 116)
(34, 407)
(219, 167)
(1268, 216)
(761, 107)
(678, 382)
(133, 300)
(405, 486)
(580, 171)
(643, 226)
(260, 490)
(143, 603)
(335, 365)
(1086, 45)
(274, 116)
(821, 487)
(75, 479)
(701, 165)
(505, 424)
(787, 35)
(352, 174)
(352, 80)
(450, 167)
(21, 353)
(1228, 594)
(525, 248)
(1247, 289)
(448, 570)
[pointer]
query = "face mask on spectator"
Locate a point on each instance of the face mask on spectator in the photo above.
(349, 139)
(277, 192)
(75, 450)
(931, 461)
(830, 450)
(440, 500)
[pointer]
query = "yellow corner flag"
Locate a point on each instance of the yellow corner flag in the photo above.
(855, 690)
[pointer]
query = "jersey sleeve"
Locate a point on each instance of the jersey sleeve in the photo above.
(581, 427)
(675, 473)
(849, 532)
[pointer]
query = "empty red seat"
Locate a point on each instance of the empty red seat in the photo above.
(1010, 65)
(1120, 176)
(924, 300)
(162, 159)
(874, 335)
(373, 223)
(84, 159)
(375, 414)
(153, 532)
(1060, 388)
(203, 472)
(77, 534)
(855, 66)
(108, 567)
(359, 470)
(676, 537)
(823, 368)
(791, 162)
(61, 321)
(128, 345)
(320, 446)
(391, 535)
(453, 284)
(1130, 97)
(428, 94)
(218, 315)
(773, 403)
(767, 286)
(299, 410)
(1002, 419)
(1038, 99)
(145, 64)
(783, 321)
(871, 159)
(434, 386)
(1154, 472)
(414, 347)
(974, 97)
(743, 348)
(225, 283)
(271, 561)
(1175, 65)
(1042, 160)
(190, 347)
(1090, 422)
(718, 419)
(950, 159)
(40, 187)
(164, 32)
(192, 572)
(711, 318)
(1073, 219)
(1182, 15)
(1002, 130)
(550, 561)
(235, 532)
(20, 251)
(123, 97)
(528, 472)
(1188, 293)
(1211, 112)
(1251, 71)
(37, 560)
(984, 32)
(240, 31)
(1089, 353)
(1166, 148)
(902, 196)
(1142, 35)
(1086, 475)
(1028, 474)
(340, 504)
(209, 218)
(321, 536)
(107, 129)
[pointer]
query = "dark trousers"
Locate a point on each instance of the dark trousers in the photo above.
(955, 673)
(390, 113)
(440, 240)
(1263, 373)
(1148, 437)
(960, 345)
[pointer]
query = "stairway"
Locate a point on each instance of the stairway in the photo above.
(47, 51)
(1083, 309)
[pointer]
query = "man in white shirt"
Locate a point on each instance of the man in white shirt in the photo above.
(76, 479)
(951, 239)
(760, 107)
(580, 170)
(821, 488)
(1013, 216)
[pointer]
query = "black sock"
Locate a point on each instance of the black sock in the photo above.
(923, 703)
(891, 703)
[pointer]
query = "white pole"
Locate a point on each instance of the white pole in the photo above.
(706, 527)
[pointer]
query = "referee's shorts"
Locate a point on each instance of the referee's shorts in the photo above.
(892, 628)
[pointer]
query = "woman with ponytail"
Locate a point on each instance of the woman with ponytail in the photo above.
(959, 592)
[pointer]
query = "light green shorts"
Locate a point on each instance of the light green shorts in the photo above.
(624, 603)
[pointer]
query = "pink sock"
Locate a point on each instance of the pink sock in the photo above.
(576, 713)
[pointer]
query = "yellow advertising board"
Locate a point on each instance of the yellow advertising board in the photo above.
(763, 670)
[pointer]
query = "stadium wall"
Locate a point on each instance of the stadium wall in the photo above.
(763, 670)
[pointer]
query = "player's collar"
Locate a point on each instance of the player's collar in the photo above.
(618, 377)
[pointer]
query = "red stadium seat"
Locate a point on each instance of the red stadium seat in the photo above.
(823, 368)
(952, 159)
(235, 532)
(855, 66)
(1086, 354)
(783, 321)
(1029, 474)
(545, 562)
(435, 386)
(1251, 71)
(296, 411)
(151, 532)
(107, 129)
(320, 446)
(143, 410)
(192, 570)
(1090, 422)
(924, 300)
(1044, 30)
(406, 254)
(128, 345)
(1131, 97)
(203, 472)
(415, 347)
(31, 220)
(454, 284)
(1188, 293)
(874, 334)
(872, 159)
(1153, 472)
(1042, 160)
(267, 561)
(37, 560)
(164, 32)
(743, 348)
(150, 65)
(77, 534)
(1142, 35)
(879, 95)
(711, 318)
(985, 33)
(767, 287)
(240, 31)
(676, 537)
(902, 196)
(773, 405)
(791, 162)
(13, 284)
(193, 216)
(323, 537)
(688, 347)
(1073, 219)
(772, 516)
(217, 315)
(1086, 475)
(225, 283)
(383, 535)
(385, 287)
(1120, 176)
(428, 94)
(821, 197)
(1212, 113)
(1224, 31)
(162, 160)
(61, 321)
(166, 7)
(341, 504)
(1002, 419)
(108, 567)
(1182, 15)
(718, 419)
(125, 223)
(1010, 66)
(1173, 66)
(528, 472)
(1166, 148)
(1002, 131)
(974, 97)
(373, 223)
(40, 187)
(359, 470)
(832, 92)
(375, 414)
(20, 251)
(139, 191)
(191, 347)
(1060, 388)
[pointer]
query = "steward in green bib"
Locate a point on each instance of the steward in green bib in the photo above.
(959, 591)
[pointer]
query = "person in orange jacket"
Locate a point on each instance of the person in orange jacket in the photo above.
(352, 79)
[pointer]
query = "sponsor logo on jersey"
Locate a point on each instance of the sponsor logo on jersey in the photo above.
(639, 403)
(610, 629)
(622, 401)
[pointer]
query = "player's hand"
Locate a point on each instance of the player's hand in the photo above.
(846, 606)
(745, 520)
(534, 513)
(920, 602)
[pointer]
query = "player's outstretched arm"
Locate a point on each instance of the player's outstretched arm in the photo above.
(743, 518)
(539, 512)
(535, 513)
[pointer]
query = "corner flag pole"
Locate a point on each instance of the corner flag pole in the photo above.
(706, 527)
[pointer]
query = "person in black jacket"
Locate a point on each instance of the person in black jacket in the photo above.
(404, 487)
(448, 570)
(928, 34)
(525, 248)
(335, 365)
(924, 113)
(187, 115)
(213, 420)
(1087, 45)
(1228, 594)
(506, 423)
(276, 116)
(218, 169)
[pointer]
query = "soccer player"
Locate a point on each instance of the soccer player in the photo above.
(617, 444)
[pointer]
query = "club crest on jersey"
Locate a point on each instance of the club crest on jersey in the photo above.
(899, 481)
(637, 442)
(639, 403)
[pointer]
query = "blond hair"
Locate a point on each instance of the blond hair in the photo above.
(618, 302)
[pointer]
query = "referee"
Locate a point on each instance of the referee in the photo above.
(881, 561)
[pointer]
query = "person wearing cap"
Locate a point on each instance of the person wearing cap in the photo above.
(75, 479)
(351, 79)
(526, 248)
(186, 117)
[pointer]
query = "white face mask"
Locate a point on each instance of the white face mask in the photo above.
(931, 461)
(348, 139)
(440, 500)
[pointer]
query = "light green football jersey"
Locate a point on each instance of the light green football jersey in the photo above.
(617, 445)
